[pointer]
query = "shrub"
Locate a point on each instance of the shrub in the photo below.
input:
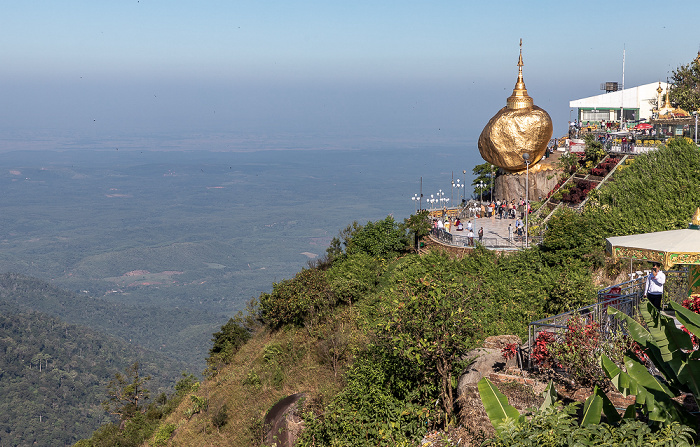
(374, 409)
(199, 404)
(541, 355)
(162, 435)
(383, 239)
(221, 417)
(301, 301)
(554, 427)
(354, 276)
(227, 342)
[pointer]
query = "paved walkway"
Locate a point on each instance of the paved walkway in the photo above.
(495, 229)
(495, 232)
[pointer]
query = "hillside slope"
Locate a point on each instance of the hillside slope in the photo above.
(376, 338)
(178, 333)
(53, 377)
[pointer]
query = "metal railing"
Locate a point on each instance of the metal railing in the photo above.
(496, 243)
(624, 297)
(594, 313)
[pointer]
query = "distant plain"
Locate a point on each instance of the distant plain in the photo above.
(196, 229)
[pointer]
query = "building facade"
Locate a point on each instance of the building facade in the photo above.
(637, 103)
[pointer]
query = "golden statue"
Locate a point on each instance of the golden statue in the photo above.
(518, 128)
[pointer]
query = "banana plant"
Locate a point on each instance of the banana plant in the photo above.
(500, 411)
(496, 405)
(671, 351)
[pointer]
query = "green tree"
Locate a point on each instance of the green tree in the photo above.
(484, 172)
(354, 276)
(227, 342)
(432, 321)
(685, 91)
(126, 392)
(418, 226)
(384, 239)
(301, 301)
(339, 244)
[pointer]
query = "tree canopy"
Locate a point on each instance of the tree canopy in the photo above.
(484, 173)
(685, 91)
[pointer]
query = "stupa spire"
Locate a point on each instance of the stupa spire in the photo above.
(519, 99)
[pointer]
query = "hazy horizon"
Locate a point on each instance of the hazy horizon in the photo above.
(308, 74)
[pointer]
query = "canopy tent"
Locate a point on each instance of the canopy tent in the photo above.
(665, 247)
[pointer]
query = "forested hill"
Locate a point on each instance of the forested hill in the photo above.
(53, 376)
(170, 332)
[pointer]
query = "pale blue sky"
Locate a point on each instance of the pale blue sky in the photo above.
(313, 73)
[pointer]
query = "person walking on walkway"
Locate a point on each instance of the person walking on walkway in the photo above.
(481, 234)
(654, 288)
(519, 228)
(471, 238)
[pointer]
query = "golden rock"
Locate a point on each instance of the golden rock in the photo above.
(519, 128)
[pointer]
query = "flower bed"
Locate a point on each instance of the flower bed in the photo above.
(605, 167)
(578, 192)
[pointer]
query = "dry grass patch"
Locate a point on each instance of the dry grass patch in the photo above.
(268, 368)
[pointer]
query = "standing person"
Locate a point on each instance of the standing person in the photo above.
(510, 233)
(469, 226)
(471, 238)
(654, 288)
(481, 234)
(448, 224)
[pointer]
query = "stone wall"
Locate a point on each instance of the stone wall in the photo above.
(511, 186)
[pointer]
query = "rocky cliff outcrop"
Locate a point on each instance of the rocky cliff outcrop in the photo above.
(511, 186)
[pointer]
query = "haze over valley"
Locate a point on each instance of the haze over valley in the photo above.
(196, 234)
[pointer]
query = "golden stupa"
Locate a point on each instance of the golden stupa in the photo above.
(668, 111)
(518, 128)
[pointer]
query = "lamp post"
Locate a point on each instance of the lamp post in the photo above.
(481, 192)
(526, 157)
(491, 196)
(464, 195)
(457, 185)
(696, 125)
(416, 198)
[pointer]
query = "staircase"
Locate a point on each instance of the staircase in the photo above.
(550, 208)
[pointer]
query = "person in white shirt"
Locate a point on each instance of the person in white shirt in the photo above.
(654, 287)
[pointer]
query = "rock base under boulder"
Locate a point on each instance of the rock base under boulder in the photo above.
(511, 186)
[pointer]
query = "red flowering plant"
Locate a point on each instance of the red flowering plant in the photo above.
(509, 351)
(579, 351)
(540, 352)
(576, 351)
(692, 303)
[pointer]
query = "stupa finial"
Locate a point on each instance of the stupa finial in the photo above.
(519, 99)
